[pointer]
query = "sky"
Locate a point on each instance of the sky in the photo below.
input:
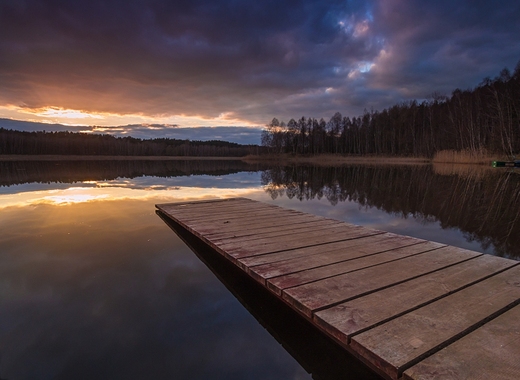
(157, 67)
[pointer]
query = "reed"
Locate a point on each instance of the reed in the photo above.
(478, 157)
(334, 159)
(474, 172)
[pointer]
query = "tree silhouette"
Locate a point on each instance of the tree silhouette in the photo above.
(484, 118)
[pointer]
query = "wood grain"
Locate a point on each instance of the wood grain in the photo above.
(350, 318)
(339, 288)
(399, 343)
(490, 352)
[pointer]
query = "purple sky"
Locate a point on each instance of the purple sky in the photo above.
(241, 63)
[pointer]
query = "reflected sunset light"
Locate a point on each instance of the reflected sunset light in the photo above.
(66, 199)
(106, 191)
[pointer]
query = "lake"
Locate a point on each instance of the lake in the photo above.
(93, 284)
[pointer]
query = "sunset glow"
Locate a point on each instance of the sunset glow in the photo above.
(240, 65)
(59, 113)
(50, 115)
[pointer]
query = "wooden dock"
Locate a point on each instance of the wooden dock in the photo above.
(408, 308)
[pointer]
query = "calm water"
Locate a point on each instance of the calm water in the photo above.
(93, 284)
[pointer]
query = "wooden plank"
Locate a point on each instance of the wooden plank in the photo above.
(261, 226)
(365, 259)
(249, 214)
(490, 352)
(276, 239)
(239, 225)
(331, 291)
(195, 203)
(221, 206)
(309, 251)
(310, 239)
(245, 235)
(282, 231)
(362, 257)
(350, 318)
(273, 226)
(384, 242)
(400, 343)
(224, 208)
(203, 203)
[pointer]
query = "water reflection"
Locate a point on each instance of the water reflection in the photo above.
(20, 172)
(94, 285)
(103, 289)
(483, 205)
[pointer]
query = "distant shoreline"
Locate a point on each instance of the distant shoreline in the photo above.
(57, 157)
(284, 159)
(322, 159)
(336, 159)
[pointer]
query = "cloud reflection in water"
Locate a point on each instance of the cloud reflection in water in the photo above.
(103, 289)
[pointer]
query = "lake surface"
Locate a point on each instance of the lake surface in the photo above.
(93, 284)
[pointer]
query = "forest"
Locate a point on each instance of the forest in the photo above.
(70, 143)
(483, 119)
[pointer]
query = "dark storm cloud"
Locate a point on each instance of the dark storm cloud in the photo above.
(251, 60)
(438, 46)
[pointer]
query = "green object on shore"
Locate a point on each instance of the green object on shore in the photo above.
(506, 164)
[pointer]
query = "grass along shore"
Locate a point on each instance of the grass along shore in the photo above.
(441, 157)
(476, 157)
(335, 159)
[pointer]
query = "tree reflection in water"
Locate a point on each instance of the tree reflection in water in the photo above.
(61, 171)
(484, 204)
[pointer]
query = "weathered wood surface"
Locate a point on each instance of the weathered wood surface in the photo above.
(401, 342)
(490, 352)
(350, 318)
(405, 306)
(309, 281)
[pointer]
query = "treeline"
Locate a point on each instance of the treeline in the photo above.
(486, 118)
(74, 143)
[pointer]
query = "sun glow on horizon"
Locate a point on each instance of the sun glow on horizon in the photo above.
(66, 113)
(89, 118)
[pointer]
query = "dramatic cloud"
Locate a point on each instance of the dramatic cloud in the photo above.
(245, 62)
